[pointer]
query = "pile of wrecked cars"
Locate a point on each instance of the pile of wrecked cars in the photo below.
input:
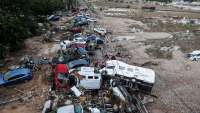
(81, 87)
(77, 85)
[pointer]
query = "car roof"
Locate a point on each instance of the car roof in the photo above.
(82, 50)
(77, 62)
(195, 52)
(18, 71)
(62, 68)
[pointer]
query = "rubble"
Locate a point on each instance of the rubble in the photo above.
(76, 91)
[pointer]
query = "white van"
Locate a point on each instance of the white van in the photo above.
(91, 79)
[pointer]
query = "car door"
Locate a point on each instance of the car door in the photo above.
(16, 79)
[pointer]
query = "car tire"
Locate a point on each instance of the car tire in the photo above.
(130, 84)
(104, 73)
(114, 83)
(194, 59)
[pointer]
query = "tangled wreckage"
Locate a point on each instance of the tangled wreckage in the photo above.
(79, 84)
(133, 77)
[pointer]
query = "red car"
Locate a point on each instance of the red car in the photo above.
(76, 45)
(75, 30)
(60, 73)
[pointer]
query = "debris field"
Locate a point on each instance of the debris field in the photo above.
(105, 62)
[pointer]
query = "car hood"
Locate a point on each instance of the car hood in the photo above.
(1, 79)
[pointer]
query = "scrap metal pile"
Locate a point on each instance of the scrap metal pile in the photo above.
(81, 84)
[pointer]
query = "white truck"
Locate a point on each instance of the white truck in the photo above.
(133, 77)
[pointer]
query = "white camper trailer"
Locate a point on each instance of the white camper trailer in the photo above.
(132, 76)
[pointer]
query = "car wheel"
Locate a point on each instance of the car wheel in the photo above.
(114, 83)
(194, 59)
(104, 73)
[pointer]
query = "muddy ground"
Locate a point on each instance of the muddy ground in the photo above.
(177, 78)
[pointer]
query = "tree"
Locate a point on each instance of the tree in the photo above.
(19, 18)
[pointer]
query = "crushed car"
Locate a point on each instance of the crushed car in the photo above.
(100, 31)
(65, 44)
(122, 94)
(80, 21)
(194, 56)
(15, 76)
(60, 73)
(78, 63)
(95, 39)
(75, 30)
(53, 18)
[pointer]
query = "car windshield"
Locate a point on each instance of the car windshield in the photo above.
(70, 64)
(80, 40)
(62, 76)
(111, 67)
(7, 76)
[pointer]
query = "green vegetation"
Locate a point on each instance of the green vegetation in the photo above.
(19, 18)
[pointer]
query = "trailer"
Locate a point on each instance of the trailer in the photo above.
(134, 77)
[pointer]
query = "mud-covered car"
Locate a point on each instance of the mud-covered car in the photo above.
(15, 76)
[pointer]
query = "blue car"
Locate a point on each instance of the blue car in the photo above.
(82, 51)
(53, 18)
(15, 76)
(93, 38)
(80, 21)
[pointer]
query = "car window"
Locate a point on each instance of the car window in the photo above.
(96, 77)
(130, 69)
(15, 77)
(83, 77)
(96, 71)
(90, 77)
(71, 65)
(62, 76)
(7, 76)
(111, 67)
(122, 68)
